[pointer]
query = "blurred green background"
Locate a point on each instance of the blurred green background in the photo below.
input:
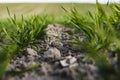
(29, 9)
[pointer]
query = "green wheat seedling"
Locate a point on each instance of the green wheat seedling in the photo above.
(115, 20)
(18, 35)
(115, 17)
(101, 35)
(6, 54)
(25, 32)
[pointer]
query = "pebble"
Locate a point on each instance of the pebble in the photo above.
(73, 65)
(68, 61)
(45, 69)
(52, 53)
(56, 44)
(53, 30)
(71, 60)
(29, 58)
(31, 52)
(64, 63)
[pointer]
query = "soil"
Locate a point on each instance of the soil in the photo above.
(58, 58)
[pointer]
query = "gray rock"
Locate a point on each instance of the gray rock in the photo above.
(53, 31)
(31, 52)
(69, 61)
(64, 63)
(10, 67)
(45, 69)
(29, 58)
(52, 53)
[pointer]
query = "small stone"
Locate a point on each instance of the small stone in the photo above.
(56, 44)
(68, 57)
(10, 67)
(53, 31)
(52, 53)
(71, 60)
(29, 58)
(81, 56)
(45, 68)
(43, 71)
(64, 63)
(31, 52)
(68, 61)
(74, 65)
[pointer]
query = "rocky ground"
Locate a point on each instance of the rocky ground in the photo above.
(59, 60)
